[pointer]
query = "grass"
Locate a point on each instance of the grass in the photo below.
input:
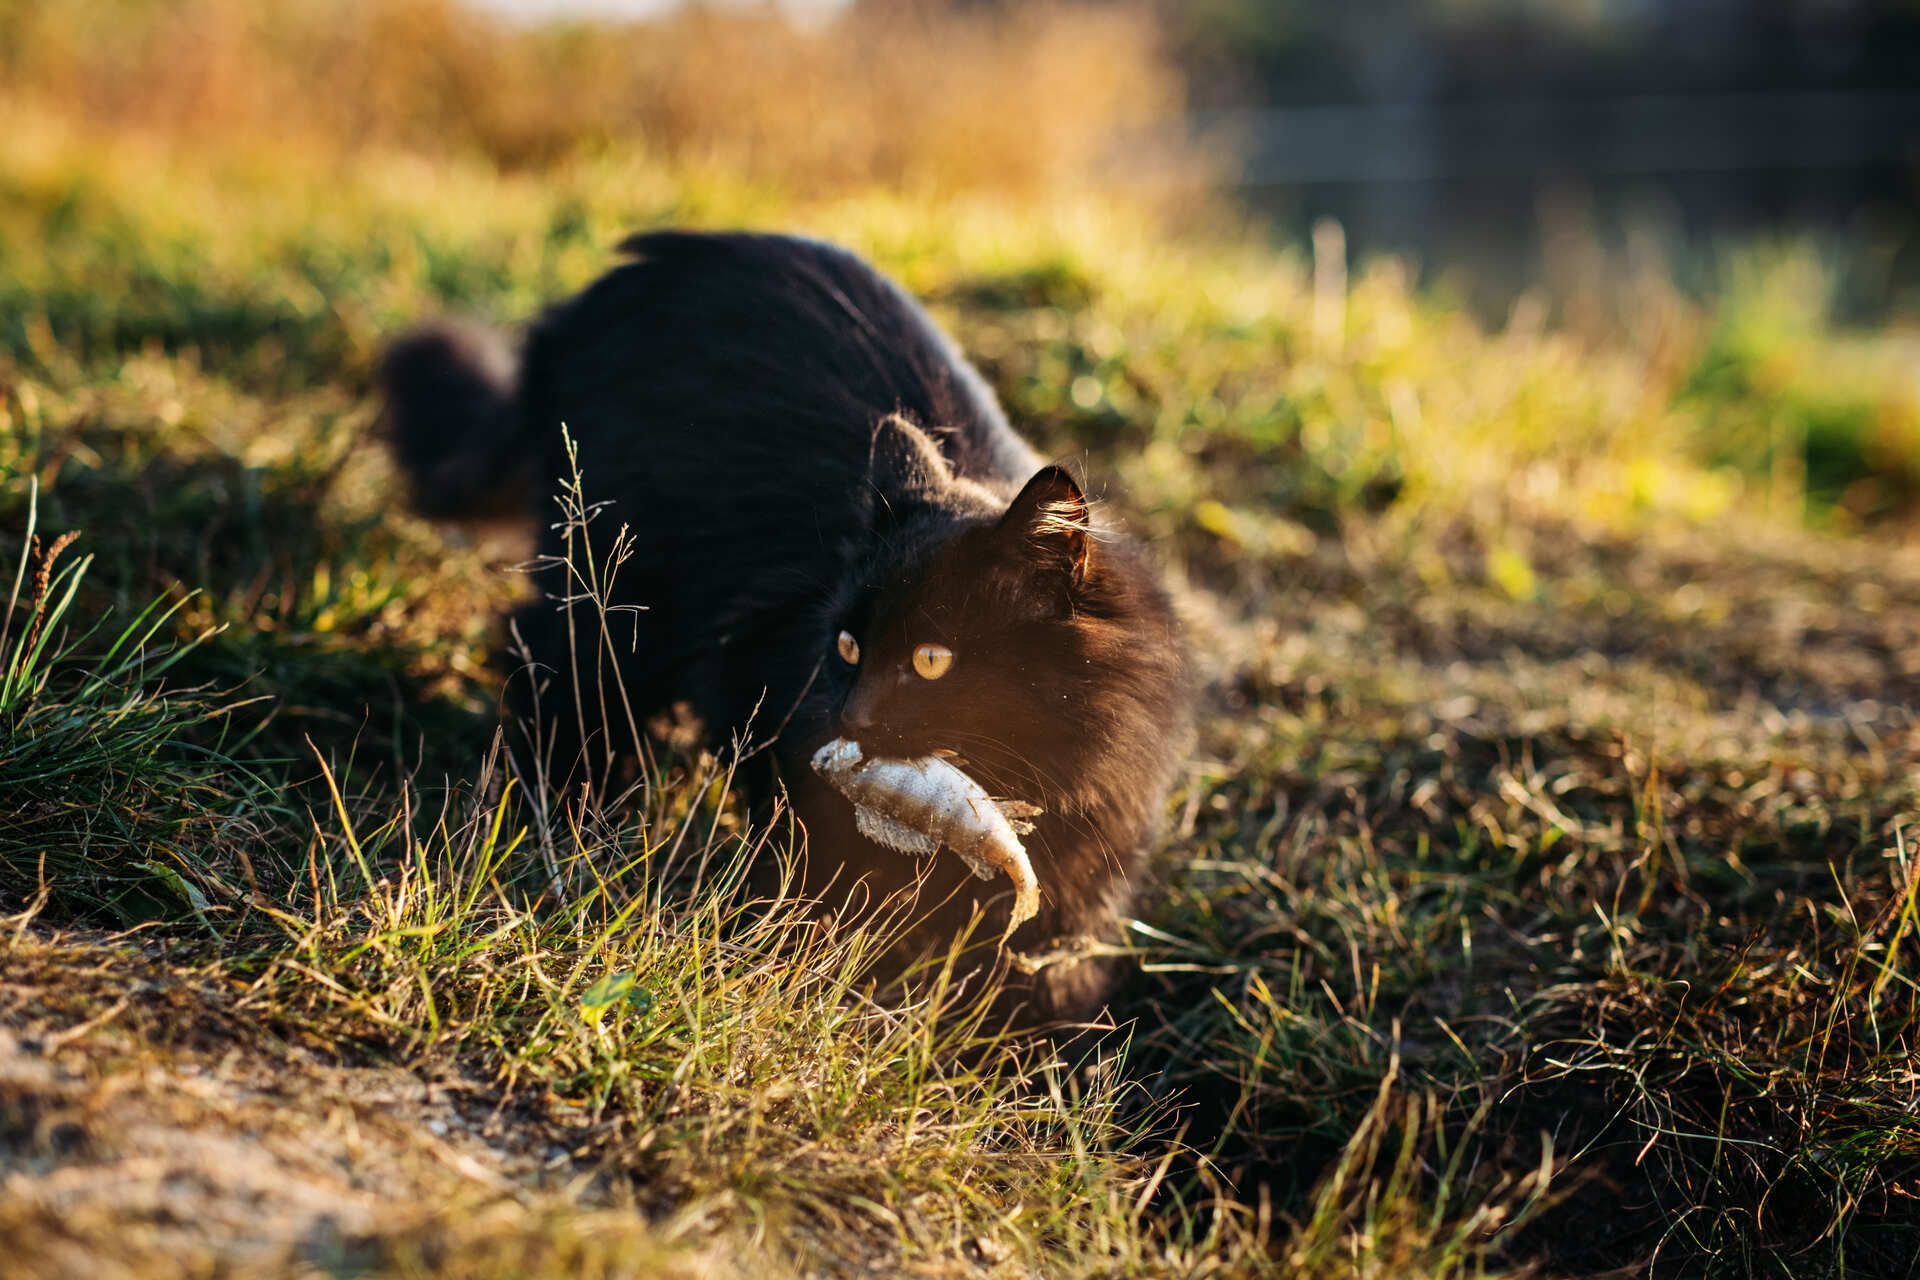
(1541, 897)
(115, 810)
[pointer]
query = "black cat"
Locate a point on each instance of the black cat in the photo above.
(835, 533)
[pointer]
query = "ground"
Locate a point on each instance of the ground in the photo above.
(1540, 895)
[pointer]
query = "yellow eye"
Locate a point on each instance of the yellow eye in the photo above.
(932, 660)
(849, 649)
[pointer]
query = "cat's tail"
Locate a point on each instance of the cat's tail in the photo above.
(454, 423)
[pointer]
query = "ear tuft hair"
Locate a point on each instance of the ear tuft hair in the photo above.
(1051, 516)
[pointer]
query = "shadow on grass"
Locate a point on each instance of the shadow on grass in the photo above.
(1676, 976)
(293, 639)
(314, 605)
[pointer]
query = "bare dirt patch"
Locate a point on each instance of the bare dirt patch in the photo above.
(146, 1131)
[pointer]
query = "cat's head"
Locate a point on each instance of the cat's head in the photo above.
(1031, 643)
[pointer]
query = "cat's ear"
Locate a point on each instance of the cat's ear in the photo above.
(904, 468)
(1050, 520)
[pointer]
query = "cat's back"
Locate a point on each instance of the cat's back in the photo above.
(762, 360)
(724, 393)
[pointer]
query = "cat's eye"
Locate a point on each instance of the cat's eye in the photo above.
(849, 649)
(932, 661)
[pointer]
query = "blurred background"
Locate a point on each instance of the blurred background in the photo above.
(1722, 191)
(1500, 144)
(1501, 140)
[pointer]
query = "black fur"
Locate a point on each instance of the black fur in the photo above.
(453, 423)
(797, 450)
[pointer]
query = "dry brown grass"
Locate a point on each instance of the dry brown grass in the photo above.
(1029, 100)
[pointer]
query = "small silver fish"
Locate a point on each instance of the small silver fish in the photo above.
(915, 806)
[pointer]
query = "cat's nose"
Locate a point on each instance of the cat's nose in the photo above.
(856, 713)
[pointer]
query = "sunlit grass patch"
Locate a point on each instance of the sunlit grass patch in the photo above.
(120, 798)
(1826, 427)
(628, 1001)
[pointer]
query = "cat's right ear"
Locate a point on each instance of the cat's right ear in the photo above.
(905, 468)
(1050, 519)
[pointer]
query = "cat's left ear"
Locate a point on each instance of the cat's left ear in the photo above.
(1050, 518)
(905, 469)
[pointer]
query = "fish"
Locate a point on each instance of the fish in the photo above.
(917, 805)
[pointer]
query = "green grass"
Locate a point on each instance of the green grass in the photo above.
(122, 802)
(1541, 895)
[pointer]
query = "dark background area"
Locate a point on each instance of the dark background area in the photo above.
(1474, 134)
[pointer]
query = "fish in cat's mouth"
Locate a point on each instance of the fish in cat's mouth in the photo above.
(917, 805)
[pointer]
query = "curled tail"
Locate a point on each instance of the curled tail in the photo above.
(454, 423)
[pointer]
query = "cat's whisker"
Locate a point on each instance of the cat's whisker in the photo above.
(1042, 778)
(1049, 788)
